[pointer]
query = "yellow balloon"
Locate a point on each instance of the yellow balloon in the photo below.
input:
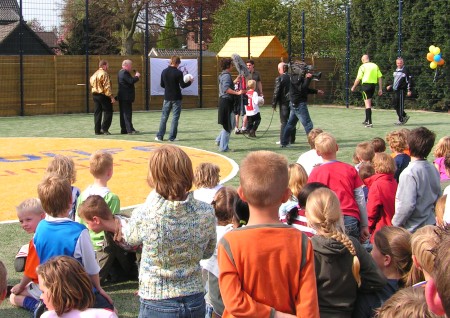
(436, 50)
(431, 48)
(433, 65)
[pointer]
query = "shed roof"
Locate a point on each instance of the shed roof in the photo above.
(9, 11)
(155, 52)
(260, 46)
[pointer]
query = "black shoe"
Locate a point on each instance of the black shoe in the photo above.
(105, 132)
(365, 122)
(99, 133)
(39, 310)
(133, 133)
(405, 119)
(123, 132)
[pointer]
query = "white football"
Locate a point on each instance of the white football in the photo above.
(187, 78)
(260, 100)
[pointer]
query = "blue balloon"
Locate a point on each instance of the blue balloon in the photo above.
(437, 57)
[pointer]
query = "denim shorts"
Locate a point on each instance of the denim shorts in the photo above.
(192, 306)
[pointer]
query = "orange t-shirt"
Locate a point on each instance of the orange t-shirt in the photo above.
(32, 263)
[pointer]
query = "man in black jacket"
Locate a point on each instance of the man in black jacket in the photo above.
(126, 97)
(401, 87)
(172, 81)
(281, 97)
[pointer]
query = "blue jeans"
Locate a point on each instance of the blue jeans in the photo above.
(168, 105)
(298, 112)
(352, 226)
(223, 139)
(192, 306)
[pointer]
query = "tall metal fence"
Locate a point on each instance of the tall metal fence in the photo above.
(44, 72)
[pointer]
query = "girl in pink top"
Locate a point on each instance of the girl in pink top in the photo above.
(442, 148)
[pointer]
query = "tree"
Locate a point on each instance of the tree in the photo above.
(169, 37)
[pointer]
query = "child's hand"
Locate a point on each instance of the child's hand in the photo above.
(17, 289)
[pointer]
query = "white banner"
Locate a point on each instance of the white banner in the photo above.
(187, 66)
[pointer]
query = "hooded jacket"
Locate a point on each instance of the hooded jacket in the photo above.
(336, 287)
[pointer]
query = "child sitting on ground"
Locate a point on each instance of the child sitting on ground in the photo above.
(26, 293)
(3, 282)
(419, 185)
(343, 267)
(398, 145)
(379, 145)
(65, 167)
(297, 180)
(252, 108)
(442, 149)
(311, 159)
(67, 290)
(206, 180)
(423, 241)
(276, 279)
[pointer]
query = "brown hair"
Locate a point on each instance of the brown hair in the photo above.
(396, 242)
(3, 280)
(420, 142)
(55, 193)
(312, 136)
(68, 284)
(64, 166)
(439, 209)
(441, 274)
(170, 172)
(225, 63)
(102, 62)
(442, 147)
(94, 205)
(263, 177)
(379, 145)
(364, 151)
(297, 178)
(207, 175)
(175, 60)
(100, 162)
(366, 170)
(397, 141)
(383, 163)
(224, 205)
(30, 205)
(324, 214)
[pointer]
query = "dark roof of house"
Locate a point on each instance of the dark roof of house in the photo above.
(6, 30)
(9, 11)
(155, 52)
(49, 38)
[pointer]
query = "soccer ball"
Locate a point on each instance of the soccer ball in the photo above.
(260, 100)
(187, 78)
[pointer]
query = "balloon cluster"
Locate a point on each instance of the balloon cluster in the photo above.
(435, 57)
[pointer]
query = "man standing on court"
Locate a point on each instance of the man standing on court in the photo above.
(401, 87)
(103, 99)
(369, 75)
(281, 97)
(126, 97)
(172, 81)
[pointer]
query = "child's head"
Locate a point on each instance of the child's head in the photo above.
(30, 213)
(207, 175)
(55, 193)
(326, 145)
(379, 145)
(406, 303)
(251, 84)
(312, 136)
(423, 241)
(302, 198)
(442, 147)
(3, 281)
(323, 212)
(366, 170)
(65, 285)
(170, 172)
(101, 164)
(420, 142)
(439, 209)
(224, 205)
(397, 141)
(264, 179)
(93, 210)
(241, 213)
(364, 151)
(297, 178)
(392, 251)
(383, 163)
(63, 166)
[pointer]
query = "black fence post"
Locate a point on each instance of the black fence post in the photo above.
(200, 80)
(303, 35)
(347, 58)
(21, 22)
(400, 18)
(248, 33)
(86, 28)
(147, 64)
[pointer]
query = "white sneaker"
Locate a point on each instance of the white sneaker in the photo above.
(157, 139)
(278, 143)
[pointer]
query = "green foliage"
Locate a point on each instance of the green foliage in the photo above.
(169, 37)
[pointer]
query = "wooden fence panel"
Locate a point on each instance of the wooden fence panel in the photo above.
(10, 89)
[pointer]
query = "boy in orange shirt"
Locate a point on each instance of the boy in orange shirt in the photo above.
(266, 269)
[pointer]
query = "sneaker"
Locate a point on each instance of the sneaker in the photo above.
(365, 123)
(173, 140)
(105, 132)
(399, 123)
(286, 146)
(278, 143)
(134, 132)
(237, 131)
(405, 119)
(158, 139)
(368, 126)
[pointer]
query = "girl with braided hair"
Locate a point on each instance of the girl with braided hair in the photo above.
(342, 265)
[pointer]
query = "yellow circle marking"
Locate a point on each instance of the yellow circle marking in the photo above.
(23, 162)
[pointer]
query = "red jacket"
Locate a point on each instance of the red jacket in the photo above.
(380, 201)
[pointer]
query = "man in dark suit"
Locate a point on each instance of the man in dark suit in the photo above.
(281, 97)
(126, 97)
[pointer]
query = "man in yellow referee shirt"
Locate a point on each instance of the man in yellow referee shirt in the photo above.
(369, 75)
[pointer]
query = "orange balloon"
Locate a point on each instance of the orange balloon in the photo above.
(430, 57)
(441, 62)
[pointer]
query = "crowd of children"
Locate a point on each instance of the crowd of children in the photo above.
(287, 242)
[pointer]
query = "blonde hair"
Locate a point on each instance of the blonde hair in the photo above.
(397, 140)
(207, 175)
(32, 205)
(423, 241)
(440, 209)
(100, 162)
(170, 172)
(383, 163)
(63, 166)
(312, 136)
(251, 84)
(364, 151)
(224, 205)
(94, 205)
(3, 280)
(326, 144)
(263, 177)
(324, 214)
(442, 147)
(55, 193)
(69, 286)
(297, 178)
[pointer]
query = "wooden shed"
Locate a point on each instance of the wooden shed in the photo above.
(260, 46)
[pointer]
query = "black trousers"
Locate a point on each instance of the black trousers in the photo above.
(126, 116)
(284, 116)
(102, 106)
(398, 102)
